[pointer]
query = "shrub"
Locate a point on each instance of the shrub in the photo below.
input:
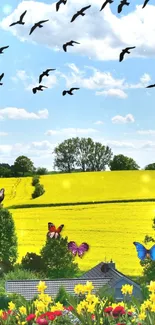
(35, 180)
(32, 262)
(21, 274)
(39, 190)
(8, 240)
(62, 296)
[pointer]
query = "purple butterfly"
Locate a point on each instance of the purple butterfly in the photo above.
(75, 249)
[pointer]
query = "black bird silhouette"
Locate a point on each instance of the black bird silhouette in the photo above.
(59, 3)
(45, 73)
(145, 3)
(20, 21)
(122, 3)
(80, 13)
(151, 86)
(121, 57)
(105, 3)
(69, 91)
(3, 48)
(38, 25)
(1, 77)
(40, 87)
(67, 44)
(2, 195)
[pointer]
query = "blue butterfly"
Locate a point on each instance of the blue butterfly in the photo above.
(143, 252)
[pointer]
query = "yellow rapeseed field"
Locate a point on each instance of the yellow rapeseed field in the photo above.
(82, 187)
(110, 229)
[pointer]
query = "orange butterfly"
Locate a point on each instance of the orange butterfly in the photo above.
(54, 232)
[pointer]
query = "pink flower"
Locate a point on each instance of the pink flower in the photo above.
(30, 317)
(108, 310)
(42, 321)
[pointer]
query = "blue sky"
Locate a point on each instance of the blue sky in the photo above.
(112, 106)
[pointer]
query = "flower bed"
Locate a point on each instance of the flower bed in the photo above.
(84, 309)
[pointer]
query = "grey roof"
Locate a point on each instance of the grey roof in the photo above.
(27, 288)
(112, 273)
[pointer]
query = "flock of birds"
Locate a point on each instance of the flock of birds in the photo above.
(80, 12)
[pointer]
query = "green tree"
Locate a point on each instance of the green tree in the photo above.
(150, 167)
(5, 172)
(23, 164)
(41, 171)
(8, 239)
(147, 264)
(65, 155)
(85, 149)
(99, 158)
(121, 162)
(32, 262)
(58, 260)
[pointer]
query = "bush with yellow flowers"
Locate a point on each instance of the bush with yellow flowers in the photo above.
(85, 308)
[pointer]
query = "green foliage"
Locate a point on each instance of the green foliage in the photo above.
(83, 153)
(32, 262)
(106, 291)
(4, 300)
(35, 180)
(5, 172)
(21, 274)
(17, 299)
(8, 240)
(63, 320)
(39, 190)
(62, 296)
(150, 167)
(41, 171)
(23, 164)
(58, 260)
(121, 162)
(147, 264)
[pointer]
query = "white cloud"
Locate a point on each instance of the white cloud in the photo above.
(106, 46)
(148, 145)
(120, 144)
(113, 93)
(122, 120)
(71, 131)
(99, 122)
(146, 132)
(3, 134)
(14, 113)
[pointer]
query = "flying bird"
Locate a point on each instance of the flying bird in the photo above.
(37, 25)
(105, 3)
(1, 77)
(3, 48)
(126, 50)
(145, 3)
(69, 91)
(59, 3)
(122, 3)
(20, 21)
(151, 86)
(80, 13)
(2, 194)
(40, 88)
(54, 232)
(72, 246)
(143, 252)
(45, 73)
(69, 44)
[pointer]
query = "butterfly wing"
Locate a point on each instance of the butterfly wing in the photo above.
(141, 250)
(82, 249)
(73, 247)
(152, 253)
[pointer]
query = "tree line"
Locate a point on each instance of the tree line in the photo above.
(74, 155)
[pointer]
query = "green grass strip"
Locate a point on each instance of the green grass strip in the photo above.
(45, 205)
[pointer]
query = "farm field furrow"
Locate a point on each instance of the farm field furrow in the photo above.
(109, 229)
(81, 187)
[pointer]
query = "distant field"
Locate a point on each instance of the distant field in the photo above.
(82, 187)
(109, 229)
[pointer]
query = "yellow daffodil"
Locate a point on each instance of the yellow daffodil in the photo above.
(127, 289)
(41, 286)
(40, 305)
(131, 310)
(152, 297)
(142, 316)
(1, 312)
(22, 310)
(151, 286)
(79, 309)
(152, 307)
(91, 308)
(57, 306)
(89, 286)
(11, 305)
